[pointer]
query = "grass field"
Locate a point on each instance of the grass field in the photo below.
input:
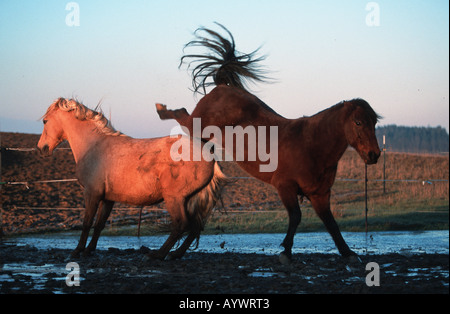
(385, 212)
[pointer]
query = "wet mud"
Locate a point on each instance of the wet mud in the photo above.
(26, 269)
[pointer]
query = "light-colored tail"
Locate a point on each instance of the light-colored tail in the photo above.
(200, 205)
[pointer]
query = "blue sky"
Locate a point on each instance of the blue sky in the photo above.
(126, 55)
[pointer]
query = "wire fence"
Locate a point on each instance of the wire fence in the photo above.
(429, 181)
(26, 183)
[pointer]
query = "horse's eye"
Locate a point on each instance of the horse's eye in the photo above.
(45, 121)
(358, 123)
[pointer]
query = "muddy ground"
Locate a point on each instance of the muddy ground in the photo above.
(130, 271)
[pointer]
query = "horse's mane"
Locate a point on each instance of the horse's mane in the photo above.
(81, 112)
(356, 102)
(224, 63)
(375, 117)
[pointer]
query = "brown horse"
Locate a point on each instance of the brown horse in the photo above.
(113, 167)
(309, 148)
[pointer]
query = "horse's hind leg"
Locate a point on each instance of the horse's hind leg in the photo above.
(161, 254)
(178, 253)
(181, 115)
(176, 209)
(100, 222)
(321, 205)
(91, 206)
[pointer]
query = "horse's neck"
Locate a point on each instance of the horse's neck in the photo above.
(327, 130)
(82, 136)
(332, 123)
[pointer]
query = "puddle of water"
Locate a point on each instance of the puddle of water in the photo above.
(265, 273)
(147, 274)
(428, 272)
(32, 274)
(404, 242)
(418, 273)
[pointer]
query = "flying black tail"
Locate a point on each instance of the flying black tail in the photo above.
(224, 64)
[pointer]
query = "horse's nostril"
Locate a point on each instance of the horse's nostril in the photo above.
(44, 150)
(373, 156)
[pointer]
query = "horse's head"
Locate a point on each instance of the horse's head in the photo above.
(360, 129)
(53, 133)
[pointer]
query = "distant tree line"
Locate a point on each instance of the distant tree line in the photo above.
(413, 139)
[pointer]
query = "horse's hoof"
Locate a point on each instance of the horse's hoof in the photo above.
(160, 107)
(353, 259)
(284, 259)
(153, 255)
(170, 257)
(173, 256)
(75, 254)
(86, 253)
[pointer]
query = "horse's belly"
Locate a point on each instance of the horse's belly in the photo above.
(135, 192)
(136, 199)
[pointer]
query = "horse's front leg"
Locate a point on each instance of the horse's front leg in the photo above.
(321, 204)
(100, 222)
(91, 206)
(288, 194)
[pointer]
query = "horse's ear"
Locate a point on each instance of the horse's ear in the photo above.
(349, 106)
(375, 117)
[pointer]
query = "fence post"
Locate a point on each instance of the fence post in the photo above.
(1, 184)
(365, 188)
(139, 222)
(384, 164)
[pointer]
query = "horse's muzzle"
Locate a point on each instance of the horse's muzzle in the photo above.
(44, 150)
(372, 157)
